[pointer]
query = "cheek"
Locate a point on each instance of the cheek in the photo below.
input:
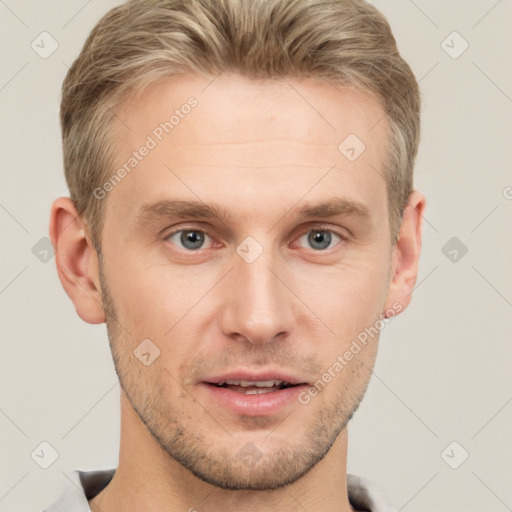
(159, 300)
(144, 297)
(349, 297)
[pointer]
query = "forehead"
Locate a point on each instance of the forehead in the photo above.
(304, 110)
(257, 140)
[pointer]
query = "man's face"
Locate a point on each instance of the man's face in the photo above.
(263, 293)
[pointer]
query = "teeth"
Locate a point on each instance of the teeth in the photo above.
(258, 384)
(257, 391)
(261, 384)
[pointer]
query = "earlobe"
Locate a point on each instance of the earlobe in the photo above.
(76, 260)
(406, 253)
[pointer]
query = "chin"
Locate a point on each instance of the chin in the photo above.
(268, 473)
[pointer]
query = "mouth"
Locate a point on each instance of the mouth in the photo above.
(254, 387)
(253, 394)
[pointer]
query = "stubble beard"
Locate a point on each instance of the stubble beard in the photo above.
(220, 462)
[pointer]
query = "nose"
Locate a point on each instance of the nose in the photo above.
(257, 306)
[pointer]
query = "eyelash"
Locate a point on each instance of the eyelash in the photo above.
(343, 237)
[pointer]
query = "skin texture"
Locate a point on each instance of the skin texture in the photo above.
(260, 152)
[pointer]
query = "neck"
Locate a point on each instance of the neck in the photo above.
(148, 479)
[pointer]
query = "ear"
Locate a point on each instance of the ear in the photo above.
(76, 259)
(406, 254)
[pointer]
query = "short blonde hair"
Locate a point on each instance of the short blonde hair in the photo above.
(346, 42)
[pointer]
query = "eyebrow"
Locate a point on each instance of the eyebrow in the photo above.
(196, 209)
(183, 209)
(334, 207)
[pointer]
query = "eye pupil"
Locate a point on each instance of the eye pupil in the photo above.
(323, 238)
(192, 239)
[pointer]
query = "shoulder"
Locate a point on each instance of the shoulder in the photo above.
(80, 487)
(364, 494)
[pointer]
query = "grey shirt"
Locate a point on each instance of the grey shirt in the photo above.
(363, 494)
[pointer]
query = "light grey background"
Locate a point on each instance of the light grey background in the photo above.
(443, 372)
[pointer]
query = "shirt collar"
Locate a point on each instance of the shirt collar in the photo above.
(363, 494)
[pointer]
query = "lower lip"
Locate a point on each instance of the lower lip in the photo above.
(263, 404)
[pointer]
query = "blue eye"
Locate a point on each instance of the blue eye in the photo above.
(319, 239)
(195, 239)
(191, 239)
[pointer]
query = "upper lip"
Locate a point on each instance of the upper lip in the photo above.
(254, 376)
